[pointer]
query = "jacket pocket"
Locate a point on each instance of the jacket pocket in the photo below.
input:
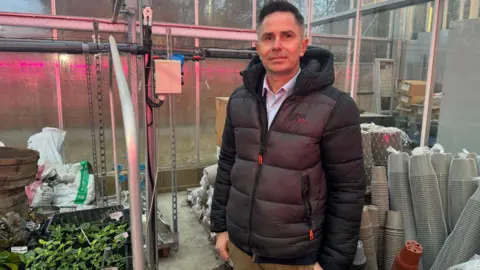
(307, 204)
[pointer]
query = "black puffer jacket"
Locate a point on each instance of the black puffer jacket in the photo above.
(296, 188)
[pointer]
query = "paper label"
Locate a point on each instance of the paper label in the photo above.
(116, 215)
(20, 250)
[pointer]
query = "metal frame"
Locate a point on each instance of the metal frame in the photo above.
(427, 107)
(85, 24)
(368, 9)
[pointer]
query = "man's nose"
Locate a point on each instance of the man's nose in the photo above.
(277, 43)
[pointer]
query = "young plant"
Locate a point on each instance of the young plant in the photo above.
(82, 247)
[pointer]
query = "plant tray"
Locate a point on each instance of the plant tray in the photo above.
(100, 215)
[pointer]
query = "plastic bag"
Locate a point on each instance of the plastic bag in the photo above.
(43, 196)
(49, 143)
(81, 191)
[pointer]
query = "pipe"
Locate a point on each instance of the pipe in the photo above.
(116, 9)
(118, 188)
(56, 46)
(131, 139)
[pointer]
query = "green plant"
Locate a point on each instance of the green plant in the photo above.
(13, 261)
(82, 247)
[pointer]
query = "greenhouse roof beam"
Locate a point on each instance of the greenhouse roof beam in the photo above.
(366, 10)
(105, 25)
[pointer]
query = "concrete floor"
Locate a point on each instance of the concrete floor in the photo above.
(196, 252)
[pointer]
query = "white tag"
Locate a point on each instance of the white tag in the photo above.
(116, 215)
(124, 235)
(21, 250)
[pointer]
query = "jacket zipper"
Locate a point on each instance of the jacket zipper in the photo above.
(306, 203)
(262, 111)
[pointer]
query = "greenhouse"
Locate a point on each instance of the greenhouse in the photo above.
(113, 114)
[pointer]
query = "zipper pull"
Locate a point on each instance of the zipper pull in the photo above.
(311, 235)
(260, 155)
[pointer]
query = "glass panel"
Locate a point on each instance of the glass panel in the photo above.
(86, 8)
(78, 141)
(339, 48)
(225, 13)
(454, 118)
(28, 96)
(174, 11)
(218, 78)
(322, 8)
(36, 6)
(300, 4)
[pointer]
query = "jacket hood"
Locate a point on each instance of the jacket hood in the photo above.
(316, 73)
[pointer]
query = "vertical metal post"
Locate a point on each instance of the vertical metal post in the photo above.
(309, 9)
(58, 82)
(427, 106)
(391, 22)
(461, 12)
(348, 68)
(132, 59)
(140, 16)
(254, 18)
(445, 15)
(197, 92)
(356, 52)
(131, 140)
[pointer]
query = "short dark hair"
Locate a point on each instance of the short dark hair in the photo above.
(280, 6)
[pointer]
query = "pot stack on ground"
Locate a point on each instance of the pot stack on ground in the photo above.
(18, 168)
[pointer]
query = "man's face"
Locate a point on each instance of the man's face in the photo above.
(280, 42)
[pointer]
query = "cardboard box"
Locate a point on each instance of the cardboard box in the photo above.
(221, 114)
(412, 88)
(410, 100)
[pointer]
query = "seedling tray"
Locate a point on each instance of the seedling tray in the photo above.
(97, 215)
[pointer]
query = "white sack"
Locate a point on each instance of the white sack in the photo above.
(80, 192)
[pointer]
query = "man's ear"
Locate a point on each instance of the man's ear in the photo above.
(257, 49)
(304, 46)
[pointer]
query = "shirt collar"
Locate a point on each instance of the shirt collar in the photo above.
(288, 87)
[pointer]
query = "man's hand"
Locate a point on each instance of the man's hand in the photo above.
(222, 245)
(317, 266)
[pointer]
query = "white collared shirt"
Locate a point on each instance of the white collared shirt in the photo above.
(275, 100)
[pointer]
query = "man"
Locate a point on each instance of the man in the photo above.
(290, 187)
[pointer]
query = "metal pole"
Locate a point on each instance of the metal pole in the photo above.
(356, 52)
(309, 21)
(58, 81)
(118, 188)
(131, 140)
(427, 106)
(140, 17)
(197, 92)
(348, 68)
(254, 19)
